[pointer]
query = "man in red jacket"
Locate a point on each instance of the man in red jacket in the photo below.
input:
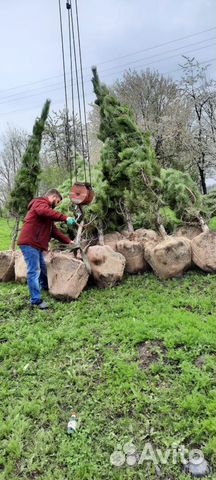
(37, 230)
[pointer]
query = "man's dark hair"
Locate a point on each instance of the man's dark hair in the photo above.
(53, 191)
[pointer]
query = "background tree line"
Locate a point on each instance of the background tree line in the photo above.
(181, 119)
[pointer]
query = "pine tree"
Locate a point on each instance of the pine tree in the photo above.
(125, 154)
(131, 188)
(27, 178)
(209, 204)
(181, 194)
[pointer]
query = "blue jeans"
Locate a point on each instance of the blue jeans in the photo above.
(36, 271)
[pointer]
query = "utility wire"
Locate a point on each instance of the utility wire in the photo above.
(157, 46)
(113, 59)
(48, 90)
(141, 66)
(160, 53)
(89, 94)
(3, 99)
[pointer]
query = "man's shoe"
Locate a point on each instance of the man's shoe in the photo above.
(43, 305)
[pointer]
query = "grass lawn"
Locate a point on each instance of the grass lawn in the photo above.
(6, 227)
(135, 362)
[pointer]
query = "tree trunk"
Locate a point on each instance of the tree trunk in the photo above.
(15, 233)
(202, 180)
(79, 233)
(203, 225)
(162, 231)
(158, 147)
(100, 234)
(161, 228)
(129, 220)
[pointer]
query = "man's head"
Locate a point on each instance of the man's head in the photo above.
(54, 197)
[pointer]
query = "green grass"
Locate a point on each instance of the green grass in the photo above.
(85, 355)
(212, 224)
(5, 233)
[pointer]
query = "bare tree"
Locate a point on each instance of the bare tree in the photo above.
(201, 94)
(60, 141)
(159, 108)
(95, 144)
(14, 143)
(148, 93)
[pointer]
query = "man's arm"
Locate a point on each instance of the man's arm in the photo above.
(56, 233)
(44, 210)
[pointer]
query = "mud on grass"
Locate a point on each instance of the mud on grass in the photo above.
(126, 359)
(150, 352)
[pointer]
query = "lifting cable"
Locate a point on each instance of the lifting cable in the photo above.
(67, 131)
(72, 95)
(83, 90)
(74, 40)
(69, 5)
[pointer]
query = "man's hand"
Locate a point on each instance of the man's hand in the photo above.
(70, 221)
(71, 242)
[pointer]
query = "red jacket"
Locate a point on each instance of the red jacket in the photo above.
(38, 227)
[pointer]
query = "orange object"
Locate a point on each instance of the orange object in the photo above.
(82, 193)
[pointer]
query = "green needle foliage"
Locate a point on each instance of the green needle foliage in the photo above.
(131, 183)
(126, 152)
(131, 188)
(27, 178)
(209, 208)
(180, 193)
(209, 203)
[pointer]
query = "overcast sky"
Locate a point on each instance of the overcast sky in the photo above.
(30, 48)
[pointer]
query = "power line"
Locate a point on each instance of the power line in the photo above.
(114, 59)
(179, 69)
(163, 53)
(161, 59)
(89, 94)
(111, 73)
(58, 85)
(158, 45)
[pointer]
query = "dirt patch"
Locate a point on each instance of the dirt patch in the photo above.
(200, 361)
(3, 340)
(189, 308)
(34, 474)
(150, 352)
(111, 346)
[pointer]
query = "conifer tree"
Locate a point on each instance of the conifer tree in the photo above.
(125, 153)
(27, 177)
(131, 188)
(181, 195)
(209, 204)
(132, 185)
